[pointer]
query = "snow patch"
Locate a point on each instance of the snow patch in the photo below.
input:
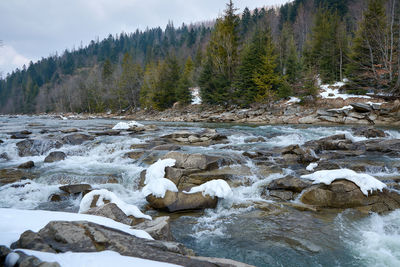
(127, 125)
(331, 91)
(129, 210)
(11, 259)
(365, 182)
(155, 183)
(218, 188)
(293, 100)
(312, 166)
(94, 259)
(14, 222)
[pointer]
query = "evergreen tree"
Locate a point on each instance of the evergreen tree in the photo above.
(130, 81)
(183, 94)
(246, 21)
(149, 85)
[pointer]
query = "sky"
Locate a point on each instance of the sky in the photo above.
(32, 29)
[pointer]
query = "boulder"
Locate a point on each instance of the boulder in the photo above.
(111, 211)
(55, 156)
(289, 183)
(23, 260)
(30, 147)
(302, 155)
(70, 130)
(76, 188)
(76, 139)
(361, 107)
(179, 201)
(1, 141)
(254, 140)
(26, 132)
(167, 147)
(195, 161)
(107, 132)
(19, 136)
(281, 194)
(27, 165)
(383, 146)
(134, 154)
(158, 228)
(368, 132)
(83, 236)
(346, 194)
(4, 156)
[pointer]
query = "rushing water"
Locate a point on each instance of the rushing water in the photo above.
(237, 229)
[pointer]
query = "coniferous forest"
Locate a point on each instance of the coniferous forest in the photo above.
(241, 58)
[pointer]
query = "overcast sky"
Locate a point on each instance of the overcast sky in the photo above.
(32, 29)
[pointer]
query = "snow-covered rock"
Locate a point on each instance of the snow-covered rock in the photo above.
(127, 125)
(215, 188)
(312, 166)
(103, 194)
(155, 182)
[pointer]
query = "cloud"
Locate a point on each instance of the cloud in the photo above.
(10, 59)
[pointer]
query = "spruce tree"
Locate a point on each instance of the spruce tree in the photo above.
(183, 94)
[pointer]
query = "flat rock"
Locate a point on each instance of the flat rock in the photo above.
(19, 136)
(368, 132)
(83, 236)
(289, 183)
(8, 176)
(167, 147)
(70, 130)
(55, 156)
(361, 107)
(134, 154)
(76, 139)
(195, 161)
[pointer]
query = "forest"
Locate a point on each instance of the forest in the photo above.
(242, 58)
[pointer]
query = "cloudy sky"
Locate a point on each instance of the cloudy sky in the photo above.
(32, 29)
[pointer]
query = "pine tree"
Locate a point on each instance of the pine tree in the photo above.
(183, 94)
(149, 86)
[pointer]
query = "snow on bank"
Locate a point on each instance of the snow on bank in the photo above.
(218, 188)
(14, 222)
(129, 210)
(331, 91)
(94, 259)
(365, 182)
(155, 183)
(196, 100)
(293, 100)
(127, 125)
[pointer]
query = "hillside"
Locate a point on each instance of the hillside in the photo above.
(243, 58)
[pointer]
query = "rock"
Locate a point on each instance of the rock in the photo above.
(281, 194)
(19, 136)
(333, 119)
(308, 120)
(361, 107)
(83, 236)
(4, 156)
(27, 165)
(26, 132)
(368, 132)
(76, 188)
(207, 137)
(346, 194)
(302, 155)
(1, 141)
(55, 156)
(289, 183)
(158, 228)
(24, 260)
(70, 130)
(179, 201)
(55, 198)
(30, 147)
(134, 154)
(167, 147)
(8, 176)
(111, 211)
(76, 139)
(108, 132)
(384, 146)
(195, 161)
(254, 140)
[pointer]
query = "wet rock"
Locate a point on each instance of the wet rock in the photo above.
(281, 194)
(70, 130)
(195, 161)
(8, 176)
(255, 140)
(4, 156)
(369, 132)
(301, 155)
(26, 132)
(108, 132)
(55, 198)
(76, 139)
(19, 136)
(111, 211)
(345, 194)
(179, 201)
(334, 142)
(167, 147)
(1, 141)
(55, 156)
(361, 107)
(207, 137)
(158, 228)
(384, 146)
(82, 236)
(30, 147)
(27, 165)
(76, 188)
(289, 183)
(134, 154)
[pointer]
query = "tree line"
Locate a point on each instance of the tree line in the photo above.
(254, 57)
